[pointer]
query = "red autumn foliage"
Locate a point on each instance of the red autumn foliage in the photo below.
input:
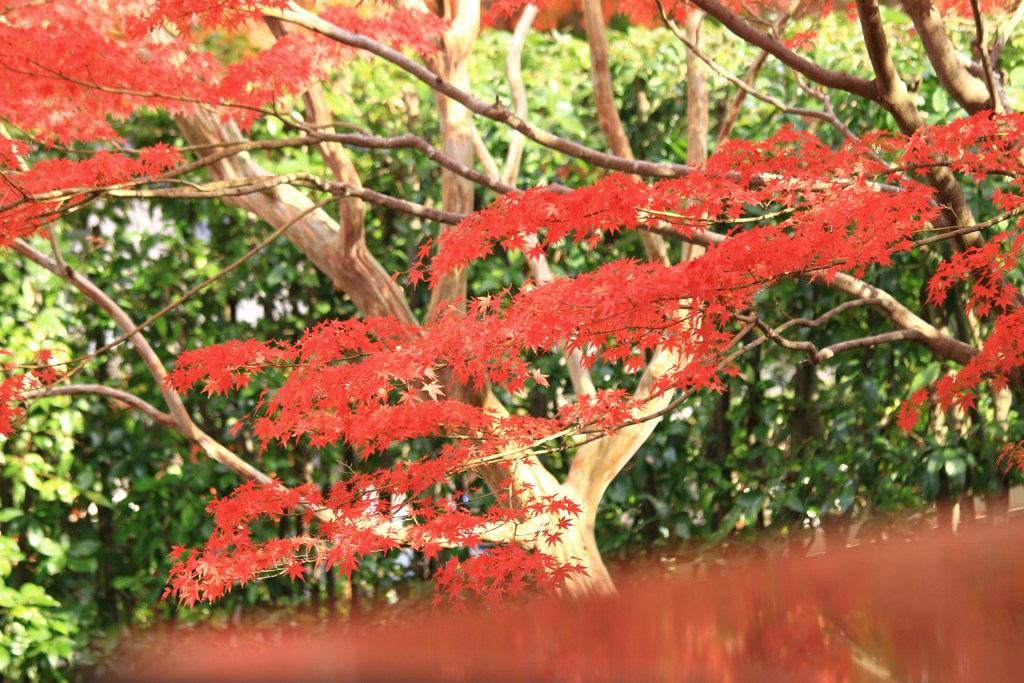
(787, 207)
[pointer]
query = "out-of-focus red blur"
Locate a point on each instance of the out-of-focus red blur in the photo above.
(934, 610)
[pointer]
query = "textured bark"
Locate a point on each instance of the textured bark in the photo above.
(599, 462)
(600, 74)
(452, 65)
(892, 93)
(970, 92)
(607, 112)
(337, 251)
(352, 210)
(696, 94)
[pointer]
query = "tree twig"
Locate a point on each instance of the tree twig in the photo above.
(768, 43)
(125, 397)
(494, 111)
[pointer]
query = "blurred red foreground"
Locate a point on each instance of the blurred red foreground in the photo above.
(934, 610)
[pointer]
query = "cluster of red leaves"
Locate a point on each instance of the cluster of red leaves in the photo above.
(108, 65)
(791, 207)
(963, 7)
(823, 212)
(992, 295)
(184, 14)
(500, 573)
(34, 197)
(107, 68)
(15, 379)
(979, 146)
(366, 514)
(96, 73)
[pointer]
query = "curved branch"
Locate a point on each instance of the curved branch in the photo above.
(746, 85)
(770, 44)
(182, 421)
(514, 70)
(125, 397)
(985, 56)
(894, 97)
(863, 342)
(816, 356)
(942, 345)
(494, 111)
(891, 92)
(967, 90)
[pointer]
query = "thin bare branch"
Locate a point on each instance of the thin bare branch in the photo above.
(771, 44)
(1006, 30)
(941, 344)
(732, 112)
(955, 232)
(315, 135)
(125, 397)
(193, 290)
(182, 421)
(828, 115)
(514, 71)
(494, 111)
(981, 48)
(816, 356)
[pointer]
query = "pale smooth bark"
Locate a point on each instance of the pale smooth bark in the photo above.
(970, 92)
(514, 71)
(457, 130)
(892, 94)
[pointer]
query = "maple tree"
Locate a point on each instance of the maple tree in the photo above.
(757, 213)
